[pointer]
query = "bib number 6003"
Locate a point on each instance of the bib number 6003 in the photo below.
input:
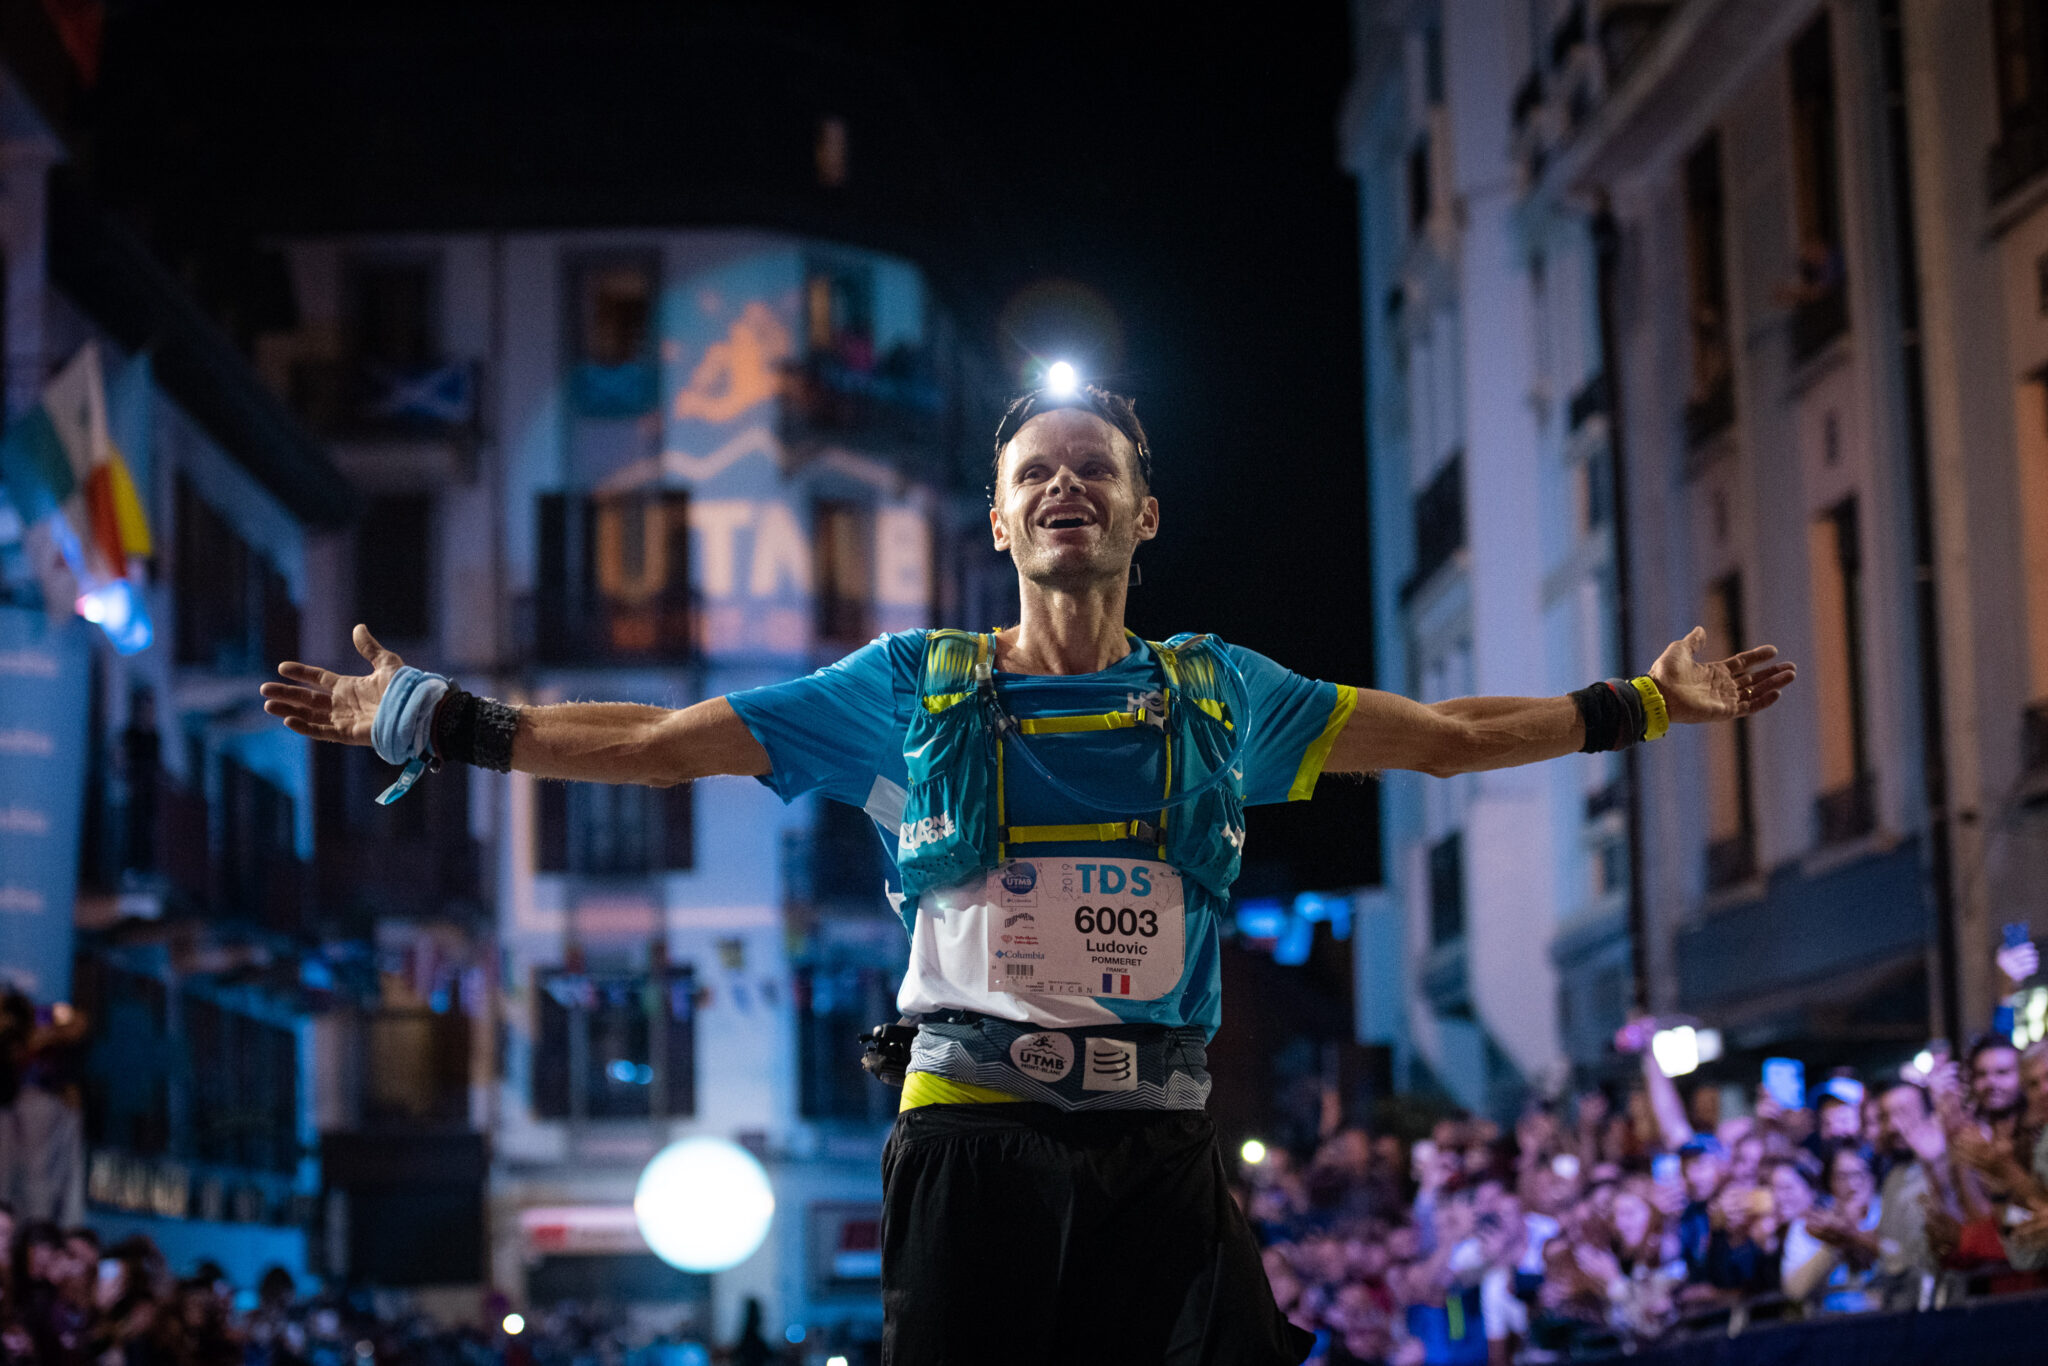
(1116, 920)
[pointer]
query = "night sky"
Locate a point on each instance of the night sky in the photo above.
(1154, 192)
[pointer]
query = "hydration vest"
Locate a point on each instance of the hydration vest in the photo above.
(955, 818)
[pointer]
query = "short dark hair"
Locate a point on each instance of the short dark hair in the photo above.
(1926, 1101)
(1118, 411)
(1987, 1041)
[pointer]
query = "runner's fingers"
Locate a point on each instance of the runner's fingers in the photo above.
(310, 675)
(1752, 658)
(298, 698)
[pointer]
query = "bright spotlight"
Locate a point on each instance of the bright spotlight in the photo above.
(1253, 1151)
(1923, 1063)
(835, 1361)
(704, 1204)
(1677, 1051)
(515, 1324)
(1061, 379)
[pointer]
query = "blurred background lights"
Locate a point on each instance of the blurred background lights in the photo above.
(704, 1204)
(835, 1361)
(1061, 379)
(515, 1324)
(793, 1334)
(1923, 1062)
(1253, 1151)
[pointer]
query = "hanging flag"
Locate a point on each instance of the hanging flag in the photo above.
(131, 428)
(33, 465)
(76, 401)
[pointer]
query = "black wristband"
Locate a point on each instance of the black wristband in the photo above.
(475, 730)
(1605, 716)
(1638, 723)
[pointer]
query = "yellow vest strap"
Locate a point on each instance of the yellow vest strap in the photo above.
(929, 1088)
(1058, 834)
(1068, 725)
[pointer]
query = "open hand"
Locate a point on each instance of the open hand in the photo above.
(332, 706)
(1697, 690)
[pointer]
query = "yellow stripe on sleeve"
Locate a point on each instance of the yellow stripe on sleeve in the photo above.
(1318, 753)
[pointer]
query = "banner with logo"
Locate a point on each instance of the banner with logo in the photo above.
(43, 683)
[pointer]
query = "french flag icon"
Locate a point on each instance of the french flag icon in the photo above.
(1116, 984)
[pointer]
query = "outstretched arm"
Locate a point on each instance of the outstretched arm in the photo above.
(599, 742)
(1468, 734)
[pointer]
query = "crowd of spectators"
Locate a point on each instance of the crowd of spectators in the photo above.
(1605, 1222)
(42, 1137)
(65, 1300)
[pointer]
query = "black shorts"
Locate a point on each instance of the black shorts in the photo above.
(1022, 1233)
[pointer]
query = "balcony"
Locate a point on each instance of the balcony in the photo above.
(1611, 797)
(843, 395)
(358, 399)
(1731, 861)
(1439, 513)
(2019, 155)
(1818, 320)
(1848, 812)
(613, 580)
(412, 860)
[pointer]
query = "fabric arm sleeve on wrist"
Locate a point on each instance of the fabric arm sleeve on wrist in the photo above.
(476, 730)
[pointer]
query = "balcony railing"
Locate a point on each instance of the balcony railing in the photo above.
(1731, 860)
(612, 575)
(411, 860)
(358, 399)
(2018, 156)
(1818, 321)
(845, 395)
(1846, 813)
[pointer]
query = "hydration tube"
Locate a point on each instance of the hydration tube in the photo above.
(1003, 721)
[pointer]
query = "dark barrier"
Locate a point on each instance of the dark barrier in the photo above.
(2006, 1330)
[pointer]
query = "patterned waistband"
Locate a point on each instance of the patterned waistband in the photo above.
(1111, 1067)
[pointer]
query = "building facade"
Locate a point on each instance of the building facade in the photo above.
(653, 467)
(1757, 245)
(1493, 559)
(157, 828)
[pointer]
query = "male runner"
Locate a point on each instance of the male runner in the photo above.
(1067, 801)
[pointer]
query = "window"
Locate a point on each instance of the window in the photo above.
(391, 311)
(613, 577)
(234, 612)
(1439, 513)
(845, 559)
(614, 829)
(1843, 809)
(615, 1046)
(2020, 45)
(244, 1106)
(1710, 393)
(839, 315)
(836, 1005)
(395, 566)
(615, 369)
(1819, 308)
(1731, 818)
(261, 877)
(1447, 889)
(1418, 185)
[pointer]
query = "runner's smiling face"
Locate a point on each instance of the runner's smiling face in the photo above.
(1070, 507)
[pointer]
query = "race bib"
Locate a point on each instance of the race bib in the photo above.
(1086, 927)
